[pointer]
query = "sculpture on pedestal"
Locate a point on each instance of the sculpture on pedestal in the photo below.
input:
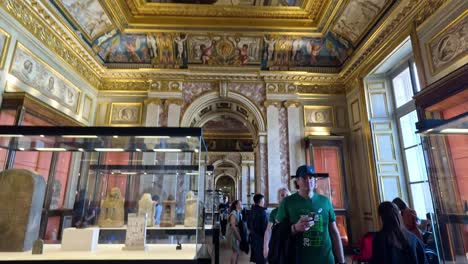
(146, 206)
(168, 214)
(190, 210)
(112, 210)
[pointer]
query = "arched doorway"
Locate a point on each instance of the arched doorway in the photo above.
(232, 125)
(227, 186)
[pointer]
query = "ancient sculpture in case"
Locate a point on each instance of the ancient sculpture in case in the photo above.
(190, 210)
(146, 207)
(135, 238)
(22, 194)
(168, 214)
(112, 210)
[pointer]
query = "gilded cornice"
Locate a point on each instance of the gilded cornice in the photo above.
(291, 103)
(155, 101)
(175, 101)
(291, 88)
(36, 20)
(129, 85)
(165, 86)
(427, 10)
(268, 103)
(420, 10)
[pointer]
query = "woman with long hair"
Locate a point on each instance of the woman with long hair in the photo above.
(393, 244)
(232, 234)
(410, 219)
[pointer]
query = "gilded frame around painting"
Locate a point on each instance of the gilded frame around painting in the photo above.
(4, 44)
(318, 116)
(442, 39)
(122, 114)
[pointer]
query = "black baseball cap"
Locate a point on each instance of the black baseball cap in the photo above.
(305, 170)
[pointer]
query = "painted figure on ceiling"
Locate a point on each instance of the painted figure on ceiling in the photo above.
(180, 46)
(206, 52)
(166, 49)
(270, 44)
(314, 49)
(243, 54)
(282, 52)
(153, 49)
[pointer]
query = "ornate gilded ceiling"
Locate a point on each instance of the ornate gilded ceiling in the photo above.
(274, 35)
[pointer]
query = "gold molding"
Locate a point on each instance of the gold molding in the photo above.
(427, 10)
(45, 29)
(139, 16)
(268, 103)
(140, 113)
(124, 85)
(292, 103)
(176, 101)
(4, 51)
(155, 101)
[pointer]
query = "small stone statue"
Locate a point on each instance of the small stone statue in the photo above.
(146, 206)
(38, 247)
(168, 214)
(112, 210)
(191, 210)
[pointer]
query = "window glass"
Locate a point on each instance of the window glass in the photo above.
(421, 199)
(415, 164)
(416, 77)
(402, 88)
(408, 129)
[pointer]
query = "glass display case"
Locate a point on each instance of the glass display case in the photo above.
(115, 174)
(446, 146)
(326, 155)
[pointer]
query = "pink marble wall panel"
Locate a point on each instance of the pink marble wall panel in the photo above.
(254, 91)
(192, 91)
(284, 145)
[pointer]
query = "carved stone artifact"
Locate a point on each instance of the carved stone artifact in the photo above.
(22, 196)
(135, 238)
(190, 210)
(168, 214)
(146, 207)
(112, 210)
(38, 247)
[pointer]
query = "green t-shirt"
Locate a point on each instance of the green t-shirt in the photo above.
(272, 218)
(316, 246)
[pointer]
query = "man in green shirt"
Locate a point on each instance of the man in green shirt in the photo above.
(314, 220)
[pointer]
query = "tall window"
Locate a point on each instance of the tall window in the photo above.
(404, 85)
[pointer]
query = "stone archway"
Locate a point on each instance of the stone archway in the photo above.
(241, 108)
(228, 184)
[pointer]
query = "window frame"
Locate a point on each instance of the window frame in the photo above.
(401, 111)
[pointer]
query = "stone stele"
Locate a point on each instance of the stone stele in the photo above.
(168, 212)
(22, 196)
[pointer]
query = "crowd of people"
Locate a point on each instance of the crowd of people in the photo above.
(303, 228)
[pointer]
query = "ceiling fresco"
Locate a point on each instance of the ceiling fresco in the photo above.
(122, 48)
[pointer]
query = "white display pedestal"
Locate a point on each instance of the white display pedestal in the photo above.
(85, 239)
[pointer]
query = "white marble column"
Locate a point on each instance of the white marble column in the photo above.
(171, 184)
(153, 106)
(274, 161)
(295, 135)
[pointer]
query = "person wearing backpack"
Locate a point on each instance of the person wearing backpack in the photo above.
(258, 222)
(310, 218)
(282, 192)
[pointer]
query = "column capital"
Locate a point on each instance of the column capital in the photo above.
(292, 103)
(176, 101)
(155, 101)
(268, 103)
